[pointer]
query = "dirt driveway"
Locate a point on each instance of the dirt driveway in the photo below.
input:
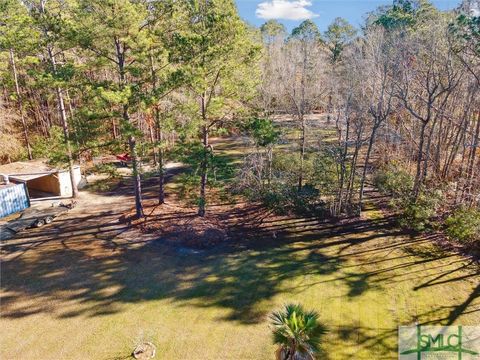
(95, 222)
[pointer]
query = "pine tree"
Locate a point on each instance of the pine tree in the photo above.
(219, 53)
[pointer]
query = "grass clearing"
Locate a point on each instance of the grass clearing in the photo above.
(90, 288)
(65, 301)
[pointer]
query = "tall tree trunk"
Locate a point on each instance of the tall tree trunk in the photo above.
(365, 164)
(114, 130)
(454, 145)
(329, 108)
(63, 117)
(343, 169)
(158, 150)
(161, 170)
(427, 149)
(203, 170)
(442, 139)
(20, 105)
(204, 163)
(137, 186)
(72, 117)
(302, 154)
(302, 118)
(353, 166)
(418, 175)
(269, 164)
(152, 141)
(462, 169)
(472, 156)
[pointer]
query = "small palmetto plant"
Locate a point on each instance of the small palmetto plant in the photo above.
(297, 332)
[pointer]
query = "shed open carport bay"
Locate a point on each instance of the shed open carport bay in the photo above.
(41, 180)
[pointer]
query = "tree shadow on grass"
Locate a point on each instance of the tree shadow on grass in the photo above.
(382, 343)
(88, 264)
(226, 278)
(83, 261)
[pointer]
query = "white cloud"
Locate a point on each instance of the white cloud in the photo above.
(475, 11)
(285, 9)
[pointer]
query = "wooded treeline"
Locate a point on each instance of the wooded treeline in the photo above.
(82, 78)
(87, 77)
(404, 91)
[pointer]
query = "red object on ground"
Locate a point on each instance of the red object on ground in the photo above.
(123, 157)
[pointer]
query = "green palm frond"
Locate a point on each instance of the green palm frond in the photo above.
(295, 327)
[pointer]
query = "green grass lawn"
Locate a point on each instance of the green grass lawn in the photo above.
(62, 302)
(87, 288)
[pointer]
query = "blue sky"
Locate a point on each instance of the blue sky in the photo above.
(322, 12)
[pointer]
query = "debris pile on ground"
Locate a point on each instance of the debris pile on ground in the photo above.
(181, 225)
(144, 351)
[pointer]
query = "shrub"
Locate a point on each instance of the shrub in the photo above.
(417, 214)
(284, 199)
(394, 181)
(262, 131)
(286, 168)
(281, 194)
(325, 170)
(464, 226)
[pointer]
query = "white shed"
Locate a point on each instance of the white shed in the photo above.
(41, 179)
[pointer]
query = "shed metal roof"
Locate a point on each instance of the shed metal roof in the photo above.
(27, 177)
(26, 167)
(28, 170)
